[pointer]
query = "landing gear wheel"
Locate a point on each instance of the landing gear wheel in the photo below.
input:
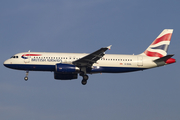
(84, 82)
(25, 78)
(85, 77)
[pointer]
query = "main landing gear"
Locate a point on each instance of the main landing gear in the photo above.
(84, 80)
(84, 75)
(26, 77)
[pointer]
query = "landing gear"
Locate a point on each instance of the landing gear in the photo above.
(84, 75)
(84, 82)
(85, 78)
(26, 77)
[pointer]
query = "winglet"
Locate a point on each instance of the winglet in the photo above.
(109, 47)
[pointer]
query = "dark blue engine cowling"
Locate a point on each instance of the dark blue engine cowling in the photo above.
(65, 68)
(65, 76)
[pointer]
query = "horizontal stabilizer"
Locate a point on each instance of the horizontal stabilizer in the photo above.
(164, 58)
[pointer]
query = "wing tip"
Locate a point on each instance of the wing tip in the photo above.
(109, 47)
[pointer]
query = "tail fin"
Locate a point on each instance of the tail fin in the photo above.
(159, 46)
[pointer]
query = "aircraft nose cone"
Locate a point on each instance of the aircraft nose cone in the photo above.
(6, 63)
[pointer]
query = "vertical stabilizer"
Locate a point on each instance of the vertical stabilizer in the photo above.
(160, 45)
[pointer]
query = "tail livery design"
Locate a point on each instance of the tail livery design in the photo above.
(159, 46)
(67, 66)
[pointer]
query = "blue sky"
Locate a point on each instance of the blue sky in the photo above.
(83, 26)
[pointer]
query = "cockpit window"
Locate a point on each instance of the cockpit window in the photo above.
(14, 57)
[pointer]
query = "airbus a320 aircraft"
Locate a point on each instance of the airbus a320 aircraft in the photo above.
(67, 66)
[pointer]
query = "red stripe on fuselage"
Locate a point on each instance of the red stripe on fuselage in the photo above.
(166, 37)
(153, 54)
(31, 55)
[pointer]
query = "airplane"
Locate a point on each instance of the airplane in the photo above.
(67, 66)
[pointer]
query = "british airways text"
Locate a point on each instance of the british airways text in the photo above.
(45, 60)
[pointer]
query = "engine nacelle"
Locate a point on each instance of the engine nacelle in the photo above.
(65, 76)
(66, 68)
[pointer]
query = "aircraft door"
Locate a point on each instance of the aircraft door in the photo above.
(27, 58)
(139, 61)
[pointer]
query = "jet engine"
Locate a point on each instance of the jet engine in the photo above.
(66, 68)
(66, 72)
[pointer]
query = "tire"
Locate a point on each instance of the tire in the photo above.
(84, 82)
(25, 78)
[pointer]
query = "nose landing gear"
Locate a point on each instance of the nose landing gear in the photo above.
(26, 77)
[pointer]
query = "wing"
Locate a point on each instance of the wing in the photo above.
(92, 58)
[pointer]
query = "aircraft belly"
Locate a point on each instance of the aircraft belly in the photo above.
(31, 67)
(114, 69)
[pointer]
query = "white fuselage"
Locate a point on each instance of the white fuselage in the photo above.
(111, 63)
